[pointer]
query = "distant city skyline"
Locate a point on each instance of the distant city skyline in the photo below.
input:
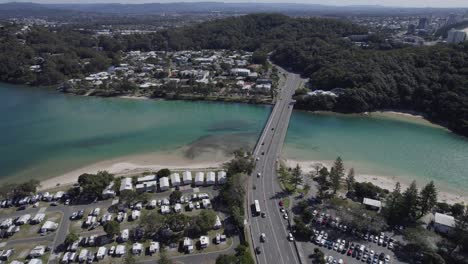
(387, 3)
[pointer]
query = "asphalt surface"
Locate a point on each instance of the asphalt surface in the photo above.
(277, 248)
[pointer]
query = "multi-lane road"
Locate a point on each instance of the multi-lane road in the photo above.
(266, 189)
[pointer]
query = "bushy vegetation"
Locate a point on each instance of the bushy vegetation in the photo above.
(19, 190)
(92, 185)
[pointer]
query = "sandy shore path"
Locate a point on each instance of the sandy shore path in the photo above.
(385, 182)
(139, 164)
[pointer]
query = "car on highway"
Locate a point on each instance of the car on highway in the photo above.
(282, 210)
(263, 237)
(281, 203)
(263, 214)
(258, 250)
(285, 216)
(290, 237)
(259, 175)
(74, 215)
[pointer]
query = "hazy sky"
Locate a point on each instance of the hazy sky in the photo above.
(402, 3)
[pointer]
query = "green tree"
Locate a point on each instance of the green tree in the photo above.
(71, 238)
(128, 196)
(152, 222)
(112, 228)
(336, 174)
(409, 202)
(163, 173)
(174, 197)
(206, 220)
(350, 180)
(296, 178)
(94, 184)
(457, 209)
(163, 258)
(227, 259)
(129, 259)
(392, 208)
(427, 198)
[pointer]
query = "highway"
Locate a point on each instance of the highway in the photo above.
(266, 189)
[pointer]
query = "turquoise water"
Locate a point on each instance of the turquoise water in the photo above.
(44, 134)
(381, 146)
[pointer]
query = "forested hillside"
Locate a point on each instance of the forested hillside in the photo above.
(431, 80)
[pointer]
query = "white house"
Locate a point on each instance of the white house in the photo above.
(188, 245)
(146, 178)
(58, 195)
(218, 223)
(187, 177)
(83, 255)
(177, 208)
(152, 204)
(120, 250)
(37, 252)
(164, 183)
(204, 241)
(149, 186)
(206, 203)
(48, 226)
(443, 223)
(165, 209)
(126, 184)
(109, 192)
(124, 235)
(240, 72)
(199, 178)
(175, 179)
(101, 253)
(137, 248)
(372, 204)
(210, 178)
(221, 177)
(135, 215)
(154, 247)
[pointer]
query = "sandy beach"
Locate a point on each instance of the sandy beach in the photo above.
(385, 182)
(131, 165)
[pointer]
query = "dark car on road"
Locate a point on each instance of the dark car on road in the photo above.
(258, 250)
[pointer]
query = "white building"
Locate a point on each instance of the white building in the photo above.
(456, 36)
(101, 253)
(38, 218)
(35, 261)
(206, 203)
(154, 247)
(199, 178)
(109, 192)
(187, 177)
(37, 252)
(218, 223)
(443, 223)
(204, 241)
(177, 208)
(175, 179)
(372, 204)
(210, 178)
(221, 177)
(124, 235)
(137, 248)
(146, 178)
(164, 183)
(126, 184)
(149, 186)
(120, 250)
(24, 219)
(83, 255)
(135, 215)
(188, 245)
(48, 226)
(240, 72)
(165, 209)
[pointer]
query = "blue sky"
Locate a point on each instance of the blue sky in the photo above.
(402, 3)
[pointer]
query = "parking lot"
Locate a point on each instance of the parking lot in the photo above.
(327, 238)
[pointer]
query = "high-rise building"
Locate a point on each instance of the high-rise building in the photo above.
(452, 19)
(456, 36)
(423, 23)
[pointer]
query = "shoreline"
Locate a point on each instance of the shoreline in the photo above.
(385, 182)
(137, 164)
